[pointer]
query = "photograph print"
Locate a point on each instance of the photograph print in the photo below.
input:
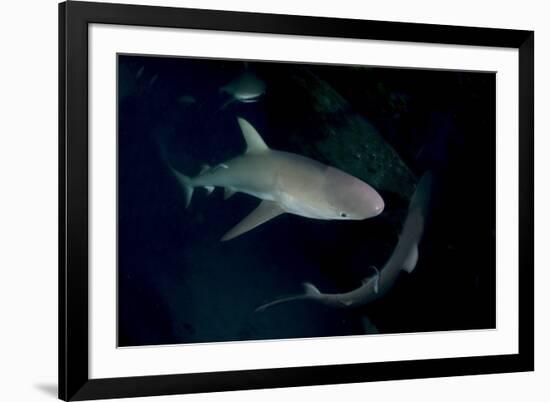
(261, 200)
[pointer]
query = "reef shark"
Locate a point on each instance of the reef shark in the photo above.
(246, 88)
(286, 183)
(404, 257)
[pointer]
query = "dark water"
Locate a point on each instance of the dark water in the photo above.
(179, 284)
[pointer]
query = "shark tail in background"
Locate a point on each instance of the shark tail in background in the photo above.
(310, 292)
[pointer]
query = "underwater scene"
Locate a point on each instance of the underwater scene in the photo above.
(271, 200)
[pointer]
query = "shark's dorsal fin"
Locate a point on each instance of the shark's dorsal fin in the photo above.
(254, 142)
(265, 211)
(311, 289)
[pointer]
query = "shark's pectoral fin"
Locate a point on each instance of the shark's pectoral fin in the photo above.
(412, 258)
(265, 211)
(346, 302)
(254, 142)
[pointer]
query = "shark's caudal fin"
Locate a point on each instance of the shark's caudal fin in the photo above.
(311, 292)
(254, 142)
(187, 182)
(186, 185)
(184, 181)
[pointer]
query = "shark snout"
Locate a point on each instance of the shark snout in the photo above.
(378, 205)
(352, 197)
(365, 204)
(369, 202)
(373, 205)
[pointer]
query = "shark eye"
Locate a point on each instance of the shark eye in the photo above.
(343, 214)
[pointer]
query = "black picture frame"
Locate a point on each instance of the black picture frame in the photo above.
(74, 381)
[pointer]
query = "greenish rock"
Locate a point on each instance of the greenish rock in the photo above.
(346, 140)
(358, 149)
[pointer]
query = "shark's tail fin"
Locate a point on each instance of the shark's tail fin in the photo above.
(310, 293)
(185, 182)
(186, 185)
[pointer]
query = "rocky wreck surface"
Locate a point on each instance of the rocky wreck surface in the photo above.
(335, 134)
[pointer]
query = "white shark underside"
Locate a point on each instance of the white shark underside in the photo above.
(285, 182)
(404, 257)
(246, 88)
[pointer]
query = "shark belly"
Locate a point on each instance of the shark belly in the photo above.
(299, 185)
(293, 205)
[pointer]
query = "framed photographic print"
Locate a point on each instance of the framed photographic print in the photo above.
(256, 200)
